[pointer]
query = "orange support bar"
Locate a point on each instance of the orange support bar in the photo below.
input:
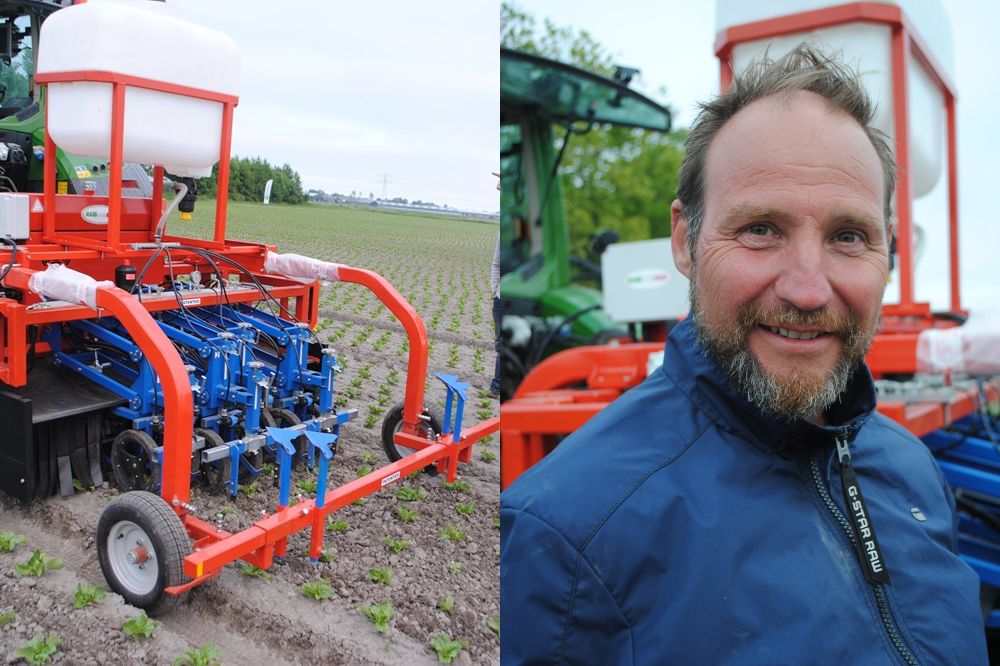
(416, 368)
(178, 409)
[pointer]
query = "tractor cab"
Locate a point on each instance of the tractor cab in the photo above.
(546, 302)
(22, 115)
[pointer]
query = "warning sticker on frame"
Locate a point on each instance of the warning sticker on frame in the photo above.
(389, 479)
(191, 301)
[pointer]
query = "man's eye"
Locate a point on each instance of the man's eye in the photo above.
(759, 229)
(849, 236)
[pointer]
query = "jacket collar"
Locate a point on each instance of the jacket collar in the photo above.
(709, 388)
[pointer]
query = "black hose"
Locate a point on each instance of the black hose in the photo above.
(537, 352)
(13, 253)
(956, 317)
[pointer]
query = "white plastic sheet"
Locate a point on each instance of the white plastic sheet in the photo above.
(64, 284)
(973, 348)
(298, 266)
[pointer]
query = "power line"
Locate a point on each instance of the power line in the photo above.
(385, 177)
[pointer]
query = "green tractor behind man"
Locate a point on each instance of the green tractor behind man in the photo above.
(547, 303)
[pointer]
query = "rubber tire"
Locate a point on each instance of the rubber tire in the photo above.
(214, 475)
(169, 542)
(393, 421)
(146, 445)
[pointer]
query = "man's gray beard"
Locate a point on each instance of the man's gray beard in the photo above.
(795, 398)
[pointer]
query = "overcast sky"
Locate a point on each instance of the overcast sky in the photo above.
(672, 43)
(347, 91)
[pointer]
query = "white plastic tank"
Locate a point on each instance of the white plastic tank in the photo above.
(148, 39)
(868, 48)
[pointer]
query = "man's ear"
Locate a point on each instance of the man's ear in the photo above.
(678, 238)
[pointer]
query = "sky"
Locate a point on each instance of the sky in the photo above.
(673, 44)
(345, 92)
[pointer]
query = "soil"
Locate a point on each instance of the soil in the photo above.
(256, 621)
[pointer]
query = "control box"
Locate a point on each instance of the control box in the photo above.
(640, 282)
(14, 220)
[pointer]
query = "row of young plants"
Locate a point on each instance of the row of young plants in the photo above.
(41, 648)
(382, 612)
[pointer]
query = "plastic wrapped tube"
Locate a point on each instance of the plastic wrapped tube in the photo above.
(973, 348)
(298, 266)
(64, 284)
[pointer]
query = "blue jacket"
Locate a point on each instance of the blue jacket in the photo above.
(680, 526)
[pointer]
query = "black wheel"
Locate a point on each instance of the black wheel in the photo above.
(133, 461)
(141, 545)
(215, 474)
(286, 418)
(392, 423)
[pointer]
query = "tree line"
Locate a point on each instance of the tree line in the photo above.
(247, 177)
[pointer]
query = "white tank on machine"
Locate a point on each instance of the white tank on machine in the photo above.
(148, 39)
(867, 47)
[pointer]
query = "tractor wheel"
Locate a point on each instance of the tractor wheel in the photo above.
(141, 545)
(215, 474)
(133, 461)
(393, 422)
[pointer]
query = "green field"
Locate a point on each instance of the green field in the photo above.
(439, 263)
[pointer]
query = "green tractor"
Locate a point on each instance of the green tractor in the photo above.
(22, 115)
(546, 304)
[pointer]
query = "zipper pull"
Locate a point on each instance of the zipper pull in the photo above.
(872, 562)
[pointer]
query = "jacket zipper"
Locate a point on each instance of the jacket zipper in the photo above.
(880, 598)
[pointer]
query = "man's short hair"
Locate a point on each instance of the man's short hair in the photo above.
(805, 68)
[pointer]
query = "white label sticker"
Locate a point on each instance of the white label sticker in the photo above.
(191, 301)
(389, 479)
(37, 206)
(95, 214)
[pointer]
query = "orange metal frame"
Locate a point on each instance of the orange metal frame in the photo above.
(58, 235)
(549, 405)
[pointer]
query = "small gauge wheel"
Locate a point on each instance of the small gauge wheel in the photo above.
(393, 423)
(141, 545)
(214, 474)
(133, 461)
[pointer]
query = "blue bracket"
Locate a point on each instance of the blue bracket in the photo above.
(329, 369)
(236, 450)
(321, 441)
(284, 438)
(456, 397)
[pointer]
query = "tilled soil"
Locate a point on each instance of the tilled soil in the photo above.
(269, 620)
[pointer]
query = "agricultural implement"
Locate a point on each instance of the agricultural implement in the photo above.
(936, 372)
(158, 361)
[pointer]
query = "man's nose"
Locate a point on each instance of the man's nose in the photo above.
(802, 281)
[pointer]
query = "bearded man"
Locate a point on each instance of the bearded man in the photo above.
(746, 504)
